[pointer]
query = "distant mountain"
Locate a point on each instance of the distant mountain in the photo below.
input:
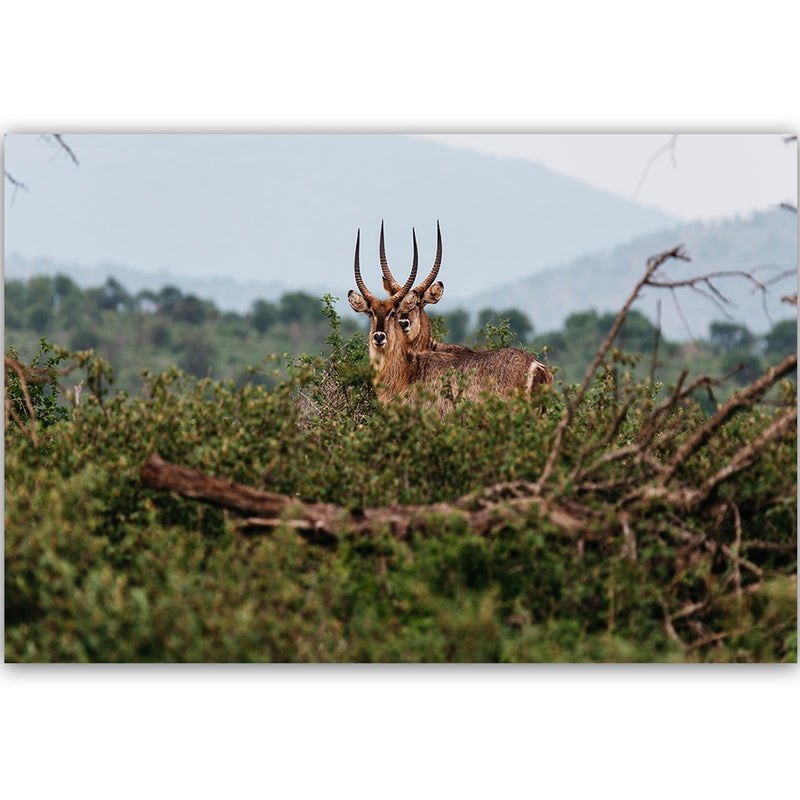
(765, 242)
(280, 209)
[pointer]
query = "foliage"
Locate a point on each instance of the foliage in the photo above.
(495, 335)
(157, 329)
(782, 339)
(340, 384)
(41, 384)
(98, 568)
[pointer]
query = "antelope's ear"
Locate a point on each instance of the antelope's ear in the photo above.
(434, 294)
(357, 302)
(409, 302)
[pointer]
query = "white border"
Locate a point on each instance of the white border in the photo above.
(389, 731)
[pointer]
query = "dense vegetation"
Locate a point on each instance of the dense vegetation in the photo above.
(154, 330)
(99, 568)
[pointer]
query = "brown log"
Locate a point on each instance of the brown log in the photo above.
(324, 523)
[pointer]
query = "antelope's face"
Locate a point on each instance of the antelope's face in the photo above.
(383, 329)
(411, 318)
(385, 336)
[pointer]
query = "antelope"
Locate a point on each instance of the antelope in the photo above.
(401, 369)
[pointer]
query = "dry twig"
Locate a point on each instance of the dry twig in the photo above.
(67, 149)
(668, 147)
(19, 369)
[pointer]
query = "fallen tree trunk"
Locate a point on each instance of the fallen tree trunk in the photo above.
(324, 523)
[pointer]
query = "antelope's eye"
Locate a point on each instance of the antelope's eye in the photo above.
(390, 314)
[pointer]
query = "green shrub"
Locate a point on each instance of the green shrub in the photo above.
(99, 568)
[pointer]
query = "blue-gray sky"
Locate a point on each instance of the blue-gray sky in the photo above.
(283, 209)
(703, 176)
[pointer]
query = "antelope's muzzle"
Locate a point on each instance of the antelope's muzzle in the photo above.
(379, 338)
(405, 324)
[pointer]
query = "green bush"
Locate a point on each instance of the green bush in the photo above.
(99, 568)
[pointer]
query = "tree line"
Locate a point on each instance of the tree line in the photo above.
(151, 329)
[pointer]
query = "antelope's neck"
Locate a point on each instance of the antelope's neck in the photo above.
(391, 370)
(425, 339)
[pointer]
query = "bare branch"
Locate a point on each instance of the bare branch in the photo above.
(653, 263)
(741, 399)
(649, 427)
(668, 147)
(779, 277)
(745, 457)
(324, 523)
(18, 368)
(656, 341)
(66, 148)
(15, 183)
(706, 279)
(686, 325)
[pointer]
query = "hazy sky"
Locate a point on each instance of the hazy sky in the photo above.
(713, 175)
(240, 205)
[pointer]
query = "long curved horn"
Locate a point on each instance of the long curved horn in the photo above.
(362, 287)
(425, 285)
(404, 290)
(391, 284)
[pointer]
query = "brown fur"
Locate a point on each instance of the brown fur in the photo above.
(405, 362)
(401, 370)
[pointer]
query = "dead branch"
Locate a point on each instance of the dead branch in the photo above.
(325, 523)
(66, 148)
(746, 456)
(687, 498)
(19, 369)
(713, 293)
(605, 440)
(649, 427)
(656, 342)
(775, 278)
(653, 264)
(15, 183)
(668, 147)
(741, 399)
(640, 449)
(737, 547)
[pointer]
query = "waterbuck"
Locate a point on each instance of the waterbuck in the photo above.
(401, 369)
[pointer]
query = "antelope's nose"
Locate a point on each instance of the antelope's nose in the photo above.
(405, 324)
(379, 338)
